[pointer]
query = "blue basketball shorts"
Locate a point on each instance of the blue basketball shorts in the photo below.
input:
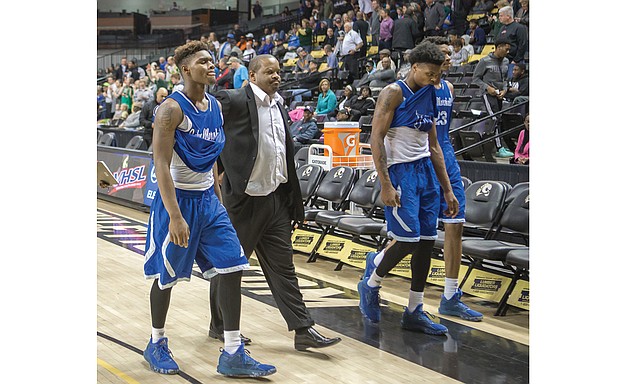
(213, 242)
(454, 173)
(416, 218)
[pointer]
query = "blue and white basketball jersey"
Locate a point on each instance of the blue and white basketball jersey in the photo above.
(407, 137)
(199, 140)
(444, 114)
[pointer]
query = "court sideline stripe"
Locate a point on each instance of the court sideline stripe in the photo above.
(139, 351)
(117, 372)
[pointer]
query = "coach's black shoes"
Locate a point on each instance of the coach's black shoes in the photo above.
(220, 337)
(309, 338)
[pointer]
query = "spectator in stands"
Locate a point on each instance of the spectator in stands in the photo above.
(226, 47)
(522, 151)
(133, 120)
(326, 102)
(483, 6)
(518, 84)
(345, 100)
(375, 21)
(477, 37)
(279, 50)
(162, 63)
(418, 18)
(434, 15)
(459, 55)
(122, 111)
(146, 115)
(351, 45)
(127, 92)
(304, 130)
(307, 81)
(151, 71)
(132, 70)
(523, 15)
(380, 78)
(405, 67)
(303, 62)
(328, 11)
(361, 26)
(385, 30)
(337, 25)
(171, 67)
(176, 81)
(405, 32)
(160, 81)
(214, 39)
(293, 41)
(108, 99)
(240, 76)
(267, 45)
(242, 43)
(141, 93)
(516, 34)
(361, 104)
(212, 50)
(330, 37)
(466, 46)
(101, 108)
(385, 53)
(343, 115)
(237, 32)
(489, 75)
(332, 58)
(122, 68)
(286, 11)
(257, 9)
(304, 33)
(225, 78)
(249, 52)
(369, 68)
(117, 89)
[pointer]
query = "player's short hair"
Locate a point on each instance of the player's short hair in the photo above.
(187, 50)
(437, 40)
(428, 53)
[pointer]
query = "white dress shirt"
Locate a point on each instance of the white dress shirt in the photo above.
(270, 165)
(350, 42)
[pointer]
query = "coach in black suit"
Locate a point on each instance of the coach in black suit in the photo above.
(261, 191)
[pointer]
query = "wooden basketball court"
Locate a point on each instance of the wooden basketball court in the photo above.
(495, 350)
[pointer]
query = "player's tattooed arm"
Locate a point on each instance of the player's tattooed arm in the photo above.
(389, 99)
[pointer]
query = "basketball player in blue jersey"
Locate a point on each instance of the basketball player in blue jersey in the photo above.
(451, 299)
(409, 160)
(188, 222)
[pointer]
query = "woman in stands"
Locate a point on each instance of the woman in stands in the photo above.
(344, 101)
(327, 99)
(360, 105)
(522, 153)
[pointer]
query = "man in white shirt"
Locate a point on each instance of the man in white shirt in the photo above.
(350, 51)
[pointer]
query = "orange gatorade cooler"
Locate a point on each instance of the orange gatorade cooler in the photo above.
(343, 137)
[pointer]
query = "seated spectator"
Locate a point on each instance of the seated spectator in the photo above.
(307, 82)
(330, 38)
(279, 50)
(133, 120)
(266, 45)
(459, 54)
(519, 84)
(303, 62)
(522, 151)
(332, 58)
(405, 66)
(343, 115)
(380, 78)
(120, 115)
(477, 37)
(483, 6)
(385, 53)
(465, 39)
(327, 98)
(305, 129)
(345, 100)
(361, 104)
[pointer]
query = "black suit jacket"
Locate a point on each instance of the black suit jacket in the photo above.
(239, 153)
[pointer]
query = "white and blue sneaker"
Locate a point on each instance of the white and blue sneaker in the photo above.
(455, 307)
(159, 357)
(420, 320)
(240, 364)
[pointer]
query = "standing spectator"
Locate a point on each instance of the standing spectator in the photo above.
(328, 12)
(109, 99)
(490, 77)
(162, 63)
(338, 24)
(213, 38)
(257, 9)
(127, 92)
(304, 33)
(418, 18)
(351, 45)
(249, 52)
(171, 67)
(434, 15)
(361, 26)
(226, 47)
(146, 115)
(405, 32)
(225, 78)
(405, 66)
(101, 107)
(132, 70)
(385, 30)
(523, 15)
(240, 77)
(122, 68)
(375, 22)
(326, 102)
(237, 32)
(176, 82)
(516, 34)
(141, 93)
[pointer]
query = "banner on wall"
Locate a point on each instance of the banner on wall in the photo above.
(135, 174)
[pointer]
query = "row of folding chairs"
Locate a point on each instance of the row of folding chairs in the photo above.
(109, 140)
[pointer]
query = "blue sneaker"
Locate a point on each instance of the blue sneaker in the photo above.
(159, 357)
(370, 265)
(419, 320)
(240, 364)
(455, 307)
(369, 301)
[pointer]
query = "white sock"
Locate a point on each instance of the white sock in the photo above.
(157, 334)
(232, 341)
(450, 288)
(374, 280)
(378, 258)
(415, 299)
